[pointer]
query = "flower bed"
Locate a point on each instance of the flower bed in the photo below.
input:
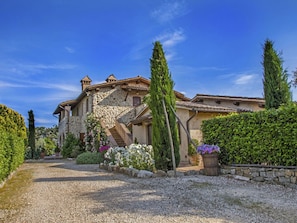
(134, 156)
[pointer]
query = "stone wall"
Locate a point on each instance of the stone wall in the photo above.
(75, 125)
(259, 173)
(113, 103)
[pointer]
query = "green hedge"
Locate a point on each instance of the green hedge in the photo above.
(265, 137)
(13, 138)
(90, 158)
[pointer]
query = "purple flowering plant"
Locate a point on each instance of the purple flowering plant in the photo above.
(103, 148)
(208, 149)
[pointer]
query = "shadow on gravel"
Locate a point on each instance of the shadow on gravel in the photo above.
(169, 201)
(201, 199)
(63, 179)
(71, 165)
(67, 164)
(78, 167)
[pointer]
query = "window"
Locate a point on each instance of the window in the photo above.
(136, 101)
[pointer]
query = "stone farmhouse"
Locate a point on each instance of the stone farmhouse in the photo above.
(119, 106)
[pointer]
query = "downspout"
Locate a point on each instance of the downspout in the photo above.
(186, 130)
(188, 127)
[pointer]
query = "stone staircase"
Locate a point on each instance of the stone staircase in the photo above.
(117, 137)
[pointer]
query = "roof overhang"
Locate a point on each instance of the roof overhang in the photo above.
(62, 105)
(227, 98)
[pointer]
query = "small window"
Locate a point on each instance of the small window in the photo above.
(136, 101)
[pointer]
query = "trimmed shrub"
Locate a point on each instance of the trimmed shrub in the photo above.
(89, 158)
(265, 137)
(13, 138)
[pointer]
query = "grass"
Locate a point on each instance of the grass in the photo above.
(11, 193)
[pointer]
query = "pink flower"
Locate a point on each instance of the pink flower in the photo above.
(103, 148)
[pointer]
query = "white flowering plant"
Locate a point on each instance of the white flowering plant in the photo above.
(138, 156)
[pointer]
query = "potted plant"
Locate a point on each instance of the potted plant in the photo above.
(210, 158)
(192, 153)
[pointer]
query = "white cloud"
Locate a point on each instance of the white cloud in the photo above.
(169, 11)
(4, 84)
(43, 121)
(15, 67)
(244, 79)
(69, 49)
(212, 68)
(40, 84)
(170, 39)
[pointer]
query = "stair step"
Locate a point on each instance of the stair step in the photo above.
(117, 137)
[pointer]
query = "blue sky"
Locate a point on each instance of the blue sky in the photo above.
(211, 46)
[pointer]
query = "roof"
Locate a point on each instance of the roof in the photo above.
(145, 118)
(61, 106)
(188, 106)
(227, 98)
(204, 108)
(123, 82)
(118, 82)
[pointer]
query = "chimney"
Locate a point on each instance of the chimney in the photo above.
(85, 82)
(110, 78)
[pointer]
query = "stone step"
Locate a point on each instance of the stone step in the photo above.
(117, 137)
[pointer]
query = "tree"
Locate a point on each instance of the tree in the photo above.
(294, 81)
(275, 78)
(31, 132)
(49, 145)
(161, 88)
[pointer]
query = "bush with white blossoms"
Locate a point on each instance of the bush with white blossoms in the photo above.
(138, 156)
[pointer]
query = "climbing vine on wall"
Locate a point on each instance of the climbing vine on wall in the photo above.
(95, 134)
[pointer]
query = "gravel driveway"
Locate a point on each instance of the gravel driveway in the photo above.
(65, 192)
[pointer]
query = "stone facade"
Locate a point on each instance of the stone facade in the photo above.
(111, 101)
(111, 104)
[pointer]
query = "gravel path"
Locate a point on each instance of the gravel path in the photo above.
(65, 192)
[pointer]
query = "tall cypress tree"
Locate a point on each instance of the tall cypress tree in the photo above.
(31, 132)
(161, 88)
(275, 80)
